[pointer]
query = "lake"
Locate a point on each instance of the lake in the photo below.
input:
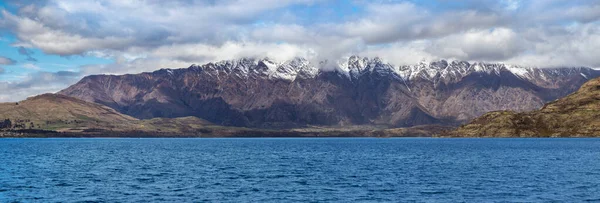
(299, 169)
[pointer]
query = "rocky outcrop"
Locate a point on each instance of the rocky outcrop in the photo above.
(358, 91)
(576, 115)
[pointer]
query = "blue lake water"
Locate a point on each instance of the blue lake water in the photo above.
(299, 169)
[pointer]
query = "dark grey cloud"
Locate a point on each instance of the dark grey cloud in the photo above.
(5, 61)
(37, 83)
(43, 78)
(28, 53)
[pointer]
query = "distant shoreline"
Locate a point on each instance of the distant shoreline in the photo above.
(214, 134)
(282, 135)
(8, 137)
(255, 133)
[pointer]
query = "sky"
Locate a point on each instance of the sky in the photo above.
(45, 46)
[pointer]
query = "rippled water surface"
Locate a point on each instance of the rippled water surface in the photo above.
(276, 170)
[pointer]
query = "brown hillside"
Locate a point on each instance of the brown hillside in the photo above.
(53, 111)
(576, 115)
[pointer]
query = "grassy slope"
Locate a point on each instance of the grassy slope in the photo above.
(54, 112)
(576, 115)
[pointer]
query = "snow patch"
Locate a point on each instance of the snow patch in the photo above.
(518, 71)
(353, 67)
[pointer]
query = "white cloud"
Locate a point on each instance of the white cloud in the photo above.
(30, 66)
(512, 4)
(75, 27)
(574, 46)
(405, 21)
(408, 53)
(198, 31)
(488, 45)
(201, 53)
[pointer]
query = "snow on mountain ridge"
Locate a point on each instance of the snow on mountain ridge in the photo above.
(355, 66)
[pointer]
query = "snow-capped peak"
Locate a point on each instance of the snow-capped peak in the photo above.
(266, 67)
(355, 66)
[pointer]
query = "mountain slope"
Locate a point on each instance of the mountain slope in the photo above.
(53, 111)
(358, 91)
(577, 114)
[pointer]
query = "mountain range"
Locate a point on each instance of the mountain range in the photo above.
(264, 93)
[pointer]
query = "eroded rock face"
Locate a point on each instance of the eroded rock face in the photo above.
(357, 91)
(577, 114)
